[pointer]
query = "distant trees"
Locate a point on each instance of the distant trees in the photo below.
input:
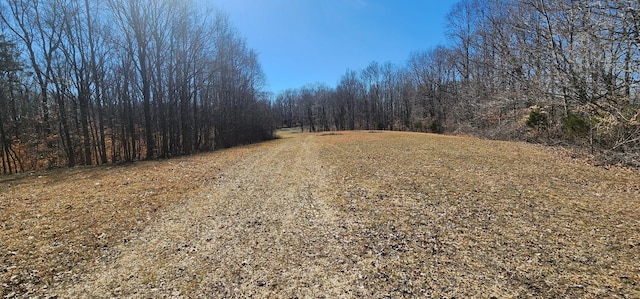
(110, 81)
(577, 63)
(93, 82)
(11, 113)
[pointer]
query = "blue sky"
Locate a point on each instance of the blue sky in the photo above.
(308, 41)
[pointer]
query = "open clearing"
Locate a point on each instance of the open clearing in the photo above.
(349, 214)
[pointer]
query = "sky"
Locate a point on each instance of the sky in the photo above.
(302, 42)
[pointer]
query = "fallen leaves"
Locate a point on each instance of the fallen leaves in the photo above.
(335, 215)
(58, 224)
(510, 217)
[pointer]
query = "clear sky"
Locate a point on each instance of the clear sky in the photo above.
(308, 41)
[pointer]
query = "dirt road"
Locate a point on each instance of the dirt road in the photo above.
(358, 214)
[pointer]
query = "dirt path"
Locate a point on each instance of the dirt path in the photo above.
(252, 232)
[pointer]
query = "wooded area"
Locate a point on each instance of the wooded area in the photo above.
(93, 82)
(562, 72)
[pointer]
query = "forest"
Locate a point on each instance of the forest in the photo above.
(88, 82)
(546, 71)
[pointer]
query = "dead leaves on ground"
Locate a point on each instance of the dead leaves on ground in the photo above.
(481, 217)
(410, 215)
(57, 224)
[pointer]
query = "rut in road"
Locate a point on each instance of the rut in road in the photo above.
(262, 228)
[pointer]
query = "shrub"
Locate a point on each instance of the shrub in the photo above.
(417, 126)
(576, 125)
(537, 119)
(436, 127)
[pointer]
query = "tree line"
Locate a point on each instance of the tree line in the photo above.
(93, 82)
(539, 70)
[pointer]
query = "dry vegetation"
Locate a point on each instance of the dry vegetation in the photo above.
(58, 224)
(353, 214)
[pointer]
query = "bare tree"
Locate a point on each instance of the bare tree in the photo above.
(9, 85)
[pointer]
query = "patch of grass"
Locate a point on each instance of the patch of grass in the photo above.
(390, 214)
(58, 224)
(286, 132)
(457, 215)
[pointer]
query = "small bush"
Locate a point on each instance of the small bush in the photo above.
(537, 119)
(417, 126)
(407, 122)
(436, 127)
(576, 125)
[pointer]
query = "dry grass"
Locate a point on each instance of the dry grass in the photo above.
(56, 225)
(340, 215)
(460, 217)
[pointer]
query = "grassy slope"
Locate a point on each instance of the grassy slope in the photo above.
(421, 214)
(508, 218)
